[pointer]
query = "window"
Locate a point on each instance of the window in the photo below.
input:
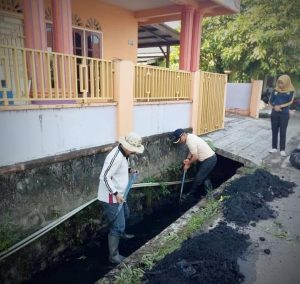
(85, 42)
(49, 35)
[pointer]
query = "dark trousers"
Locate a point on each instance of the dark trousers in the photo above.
(204, 169)
(279, 123)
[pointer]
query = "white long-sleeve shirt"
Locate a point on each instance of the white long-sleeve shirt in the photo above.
(114, 176)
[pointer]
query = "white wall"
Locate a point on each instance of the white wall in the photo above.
(238, 96)
(160, 118)
(33, 134)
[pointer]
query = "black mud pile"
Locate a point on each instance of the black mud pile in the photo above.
(207, 258)
(212, 257)
(249, 194)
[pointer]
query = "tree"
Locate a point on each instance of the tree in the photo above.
(262, 39)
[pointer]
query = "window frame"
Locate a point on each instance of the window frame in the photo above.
(85, 35)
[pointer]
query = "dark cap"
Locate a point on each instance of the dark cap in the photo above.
(176, 135)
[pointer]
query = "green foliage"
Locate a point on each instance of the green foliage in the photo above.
(7, 237)
(262, 39)
(129, 275)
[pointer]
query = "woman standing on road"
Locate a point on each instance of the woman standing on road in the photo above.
(280, 100)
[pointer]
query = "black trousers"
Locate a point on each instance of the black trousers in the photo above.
(279, 123)
(204, 169)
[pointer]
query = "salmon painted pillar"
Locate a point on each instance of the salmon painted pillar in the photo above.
(186, 37)
(195, 99)
(124, 82)
(34, 24)
(62, 26)
(196, 40)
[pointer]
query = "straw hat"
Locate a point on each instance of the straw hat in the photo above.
(132, 142)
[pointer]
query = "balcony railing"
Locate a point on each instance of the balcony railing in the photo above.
(161, 84)
(39, 77)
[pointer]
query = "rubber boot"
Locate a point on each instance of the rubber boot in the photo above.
(113, 247)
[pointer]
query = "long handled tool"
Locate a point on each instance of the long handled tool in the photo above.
(182, 184)
(129, 185)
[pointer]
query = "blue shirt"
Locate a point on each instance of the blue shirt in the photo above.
(278, 98)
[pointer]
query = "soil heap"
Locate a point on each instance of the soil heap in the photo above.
(212, 257)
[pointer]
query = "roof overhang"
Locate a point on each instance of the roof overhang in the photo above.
(157, 35)
(159, 11)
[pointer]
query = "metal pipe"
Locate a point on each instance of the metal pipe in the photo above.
(61, 219)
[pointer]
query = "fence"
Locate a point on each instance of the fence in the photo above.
(160, 84)
(34, 76)
(211, 102)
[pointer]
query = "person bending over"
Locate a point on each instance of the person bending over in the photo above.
(200, 154)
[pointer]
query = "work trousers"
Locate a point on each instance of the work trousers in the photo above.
(279, 123)
(115, 219)
(204, 169)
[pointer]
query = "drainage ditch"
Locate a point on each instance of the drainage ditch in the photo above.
(88, 262)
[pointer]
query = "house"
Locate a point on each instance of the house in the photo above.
(70, 87)
(63, 55)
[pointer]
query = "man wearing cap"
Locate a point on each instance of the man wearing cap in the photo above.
(200, 154)
(113, 182)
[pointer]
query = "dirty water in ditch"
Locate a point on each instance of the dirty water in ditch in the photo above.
(89, 262)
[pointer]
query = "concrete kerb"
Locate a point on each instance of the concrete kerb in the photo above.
(247, 163)
(175, 228)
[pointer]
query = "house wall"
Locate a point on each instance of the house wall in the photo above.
(238, 97)
(113, 20)
(34, 134)
(160, 118)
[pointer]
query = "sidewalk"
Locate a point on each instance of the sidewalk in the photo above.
(248, 140)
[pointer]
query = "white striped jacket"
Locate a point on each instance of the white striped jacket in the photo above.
(114, 176)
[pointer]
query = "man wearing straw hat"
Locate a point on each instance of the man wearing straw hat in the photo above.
(114, 179)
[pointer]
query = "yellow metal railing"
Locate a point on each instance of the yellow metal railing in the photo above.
(211, 102)
(31, 76)
(160, 84)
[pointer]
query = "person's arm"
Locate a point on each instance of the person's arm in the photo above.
(191, 157)
(272, 98)
(290, 101)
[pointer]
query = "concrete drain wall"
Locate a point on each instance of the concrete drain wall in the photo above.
(64, 250)
(89, 261)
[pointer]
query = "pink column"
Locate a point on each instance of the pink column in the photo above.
(62, 26)
(196, 41)
(34, 24)
(186, 37)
